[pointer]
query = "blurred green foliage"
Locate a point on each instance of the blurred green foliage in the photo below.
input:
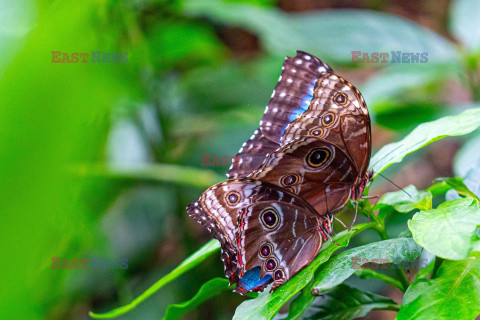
(101, 159)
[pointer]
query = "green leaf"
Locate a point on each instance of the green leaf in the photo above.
(208, 290)
(438, 188)
(366, 273)
(423, 135)
(345, 302)
(449, 231)
(467, 164)
(154, 172)
(403, 202)
(391, 83)
(468, 157)
(455, 293)
(341, 267)
(425, 271)
(208, 249)
(331, 34)
(464, 23)
(458, 185)
(267, 305)
(472, 180)
(404, 116)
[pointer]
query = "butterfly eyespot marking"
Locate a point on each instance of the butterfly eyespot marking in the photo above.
(279, 275)
(289, 189)
(265, 250)
(340, 98)
(271, 264)
(316, 132)
(269, 218)
(233, 198)
(328, 119)
(317, 157)
(289, 180)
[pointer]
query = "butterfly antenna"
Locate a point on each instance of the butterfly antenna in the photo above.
(395, 185)
(343, 224)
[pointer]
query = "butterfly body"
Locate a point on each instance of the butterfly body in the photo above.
(308, 157)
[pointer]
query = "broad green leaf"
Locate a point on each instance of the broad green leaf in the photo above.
(331, 34)
(403, 202)
(472, 180)
(204, 252)
(453, 294)
(391, 83)
(464, 23)
(267, 305)
(467, 157)
(449, 231)
(341, 267)
(155, 172)
(425, 271)
(458, 185)
(404, 116)
(405, 234)
(423, 135)
(345, 302)
(366, 273)
(438, 188)
(467, 164)
(208, 290)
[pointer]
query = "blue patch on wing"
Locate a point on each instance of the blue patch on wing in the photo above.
(251, 279)
(306, 99)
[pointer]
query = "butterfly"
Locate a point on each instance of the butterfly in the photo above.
(308, 157)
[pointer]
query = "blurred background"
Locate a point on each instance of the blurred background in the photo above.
(99, 160)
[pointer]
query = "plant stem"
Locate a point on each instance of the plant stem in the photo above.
(395, 307)
(401, 276)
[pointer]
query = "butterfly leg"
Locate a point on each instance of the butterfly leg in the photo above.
(343, 224)
(331, 239)
(355, 216)
(356, 208)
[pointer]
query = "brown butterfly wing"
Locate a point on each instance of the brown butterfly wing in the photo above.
(289, 99)
(251, 155)
(231, 223)
(278, 247)
(315, 170)
(220, 206)
(337, 114)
